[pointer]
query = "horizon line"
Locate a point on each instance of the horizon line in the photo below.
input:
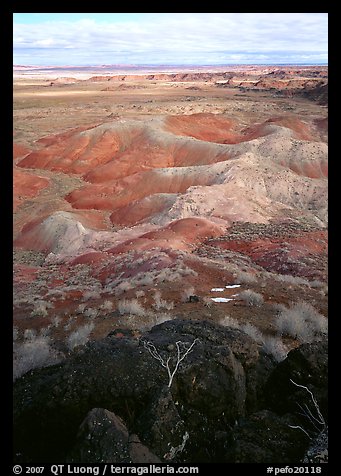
(165, 64)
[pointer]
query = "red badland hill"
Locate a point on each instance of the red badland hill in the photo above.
(176, 202)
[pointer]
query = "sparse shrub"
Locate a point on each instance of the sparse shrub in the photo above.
(69, 323)
(107, 305)
(173, 276)
(35, 352)
(207, 301)
(123, 287)
(278, 307)
(160, 303)
(44, 331)
(243, 277)
(187, 293)
(80, 336)
(30, 334)
(228, 321)
(92, 294)
(81, 308)
(145, 279)
(163, 275)
(275, 347)
(40, 308)
(91, 313)
(253, 332)
(302, 321)
(131, 306)
(56, 321)
(294, 280)
(271, 345)
(187, 272)
(251, 297)
(324, 291)
(316, 284)
(140, 294)
(162, 317)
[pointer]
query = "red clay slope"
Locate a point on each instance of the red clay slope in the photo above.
(136, 168)
(182, 235)
(215, 128)
(26, 185)
(19, 151)
(78, 151)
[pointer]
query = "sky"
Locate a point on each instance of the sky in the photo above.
(169, 38)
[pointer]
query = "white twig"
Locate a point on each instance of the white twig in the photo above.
(321, 420)
(166, 364)
(308, 413)
(300, 428)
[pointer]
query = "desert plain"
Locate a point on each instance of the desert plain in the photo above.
(151, 199)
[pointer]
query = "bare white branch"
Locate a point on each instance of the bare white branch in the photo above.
(300, 428)
(181, 355)
(321, 420)
(307, 413)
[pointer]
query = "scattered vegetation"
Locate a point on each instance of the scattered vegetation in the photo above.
(91, 313)
(80, 336)
(251, 297)
(107, 306)
(302, 322)
(92, 294)
(275, 347)
(34, 352)
(123, 287)
(270, 345)
(187, 293)
(160, 303)
(207, 301)
(243, 277)
(40, 308)
(81, 308)
(140, 293)
(132, 306)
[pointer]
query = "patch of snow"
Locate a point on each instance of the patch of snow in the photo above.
(230, 286)
(218, 289)
(219, 299)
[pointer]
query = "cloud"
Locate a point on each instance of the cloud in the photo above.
(175, 38)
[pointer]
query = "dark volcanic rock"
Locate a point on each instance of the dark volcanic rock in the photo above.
(51, 403)
(308, 366)
(161, 426)
(213, 375)
(266, 438)
(104, 438)
(113, 399)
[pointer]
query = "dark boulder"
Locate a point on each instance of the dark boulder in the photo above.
(104, 438)
(306, 366)
(197, 410)
(210, 389)
(265, 437)
(160, 425)
(51, 403)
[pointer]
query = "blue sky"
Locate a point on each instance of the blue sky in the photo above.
(169, 38)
